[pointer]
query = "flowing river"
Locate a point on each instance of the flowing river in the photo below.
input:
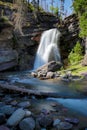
(71, 94)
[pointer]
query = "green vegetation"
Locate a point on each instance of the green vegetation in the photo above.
(10, 5)
(5, 20)
(31, 7)
(80, 7)
(76, 54)
(76, 69)
(55, 10)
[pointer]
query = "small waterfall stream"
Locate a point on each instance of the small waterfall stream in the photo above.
(48, 49)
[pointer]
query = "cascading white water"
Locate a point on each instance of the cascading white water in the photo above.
(48, 49)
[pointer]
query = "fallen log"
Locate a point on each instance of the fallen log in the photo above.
(16, 89)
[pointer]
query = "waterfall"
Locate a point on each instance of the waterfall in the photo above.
(48, 49)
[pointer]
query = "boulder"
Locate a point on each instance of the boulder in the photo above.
(7, 109)
(56, 122)
(27, 113)
(16, 117)
(45, 120)
(2, 127)
(27, 124)
(34, 74)
(50, 75)
(51, 66)
(72, 120)
(65, 126)
(24, 104)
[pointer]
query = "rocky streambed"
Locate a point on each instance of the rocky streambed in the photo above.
(26, 110)
(21, 112)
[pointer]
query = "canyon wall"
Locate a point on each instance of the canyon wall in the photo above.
(23, 48)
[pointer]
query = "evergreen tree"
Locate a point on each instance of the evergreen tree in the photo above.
(80, 6)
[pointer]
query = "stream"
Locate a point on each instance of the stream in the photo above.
(71, 95)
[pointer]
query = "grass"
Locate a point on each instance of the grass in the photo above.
(76, 69)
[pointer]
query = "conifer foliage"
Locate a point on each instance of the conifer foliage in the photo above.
(80, 6)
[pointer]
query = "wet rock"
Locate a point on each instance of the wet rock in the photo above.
(27, 124)
(2, 118)
(45, 111)
(1, 104)
(72, 120)
(14, 103)
(38, 127)
(34, 74)
(68, 75)
(51, 66)
(54, 66)
(47, 70)
(56, 122)
(24, 104)
(57, 74)
(50, 75)
(43, 129)
(27, 113)
(7, 99)
(16, 117)
(7, 109)
(65, 126)
(2, 127)
(45, 120)
(40, 74)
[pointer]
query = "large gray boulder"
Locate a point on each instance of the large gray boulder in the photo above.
(50, 66)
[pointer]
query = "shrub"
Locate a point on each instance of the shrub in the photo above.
(76, 54)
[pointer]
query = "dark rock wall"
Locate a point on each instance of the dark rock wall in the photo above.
(26, 49)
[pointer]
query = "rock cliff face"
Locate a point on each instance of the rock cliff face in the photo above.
(69, 29)
(25, 46)
(70, 35)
